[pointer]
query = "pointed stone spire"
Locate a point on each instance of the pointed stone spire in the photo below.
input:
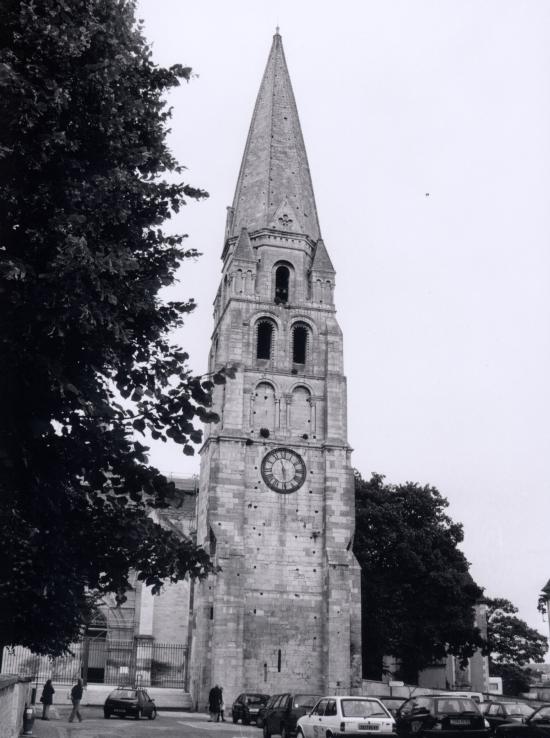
(321, 259)
(243, 249)
(274, 189)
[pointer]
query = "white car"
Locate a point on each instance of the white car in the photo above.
(338, 717)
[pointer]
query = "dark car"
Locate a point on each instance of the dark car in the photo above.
(506, 711)
(456, 717)
(284, 712)
(247, 707)
(128, 702)
(537, 725)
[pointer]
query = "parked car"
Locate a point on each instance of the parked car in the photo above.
(537, 725)
(507, 711)
(343, 716)
(285, 711)
(247, 706)
(128, 702)
(425, 715)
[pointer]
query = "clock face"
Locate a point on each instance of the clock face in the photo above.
(283, 470)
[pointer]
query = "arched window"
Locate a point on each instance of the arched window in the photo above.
(300, 334)
(264, 339)
(282, 279)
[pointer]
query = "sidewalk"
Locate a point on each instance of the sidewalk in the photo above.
(94, 725)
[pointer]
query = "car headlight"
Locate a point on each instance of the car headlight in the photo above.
(486, 723)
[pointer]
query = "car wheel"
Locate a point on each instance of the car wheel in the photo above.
(234, 717)
(267, 734)
(246, 721)
(284, 732)
(153, 714)
(106, 715)
(259, 722)
(138, 714)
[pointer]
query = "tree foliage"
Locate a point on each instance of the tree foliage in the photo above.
(417, 593)
(515, 680)
(510, 640)
(86, 363)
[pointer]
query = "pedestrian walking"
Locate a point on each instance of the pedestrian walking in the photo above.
(76, 696)
(214, 701)
(222, 706)
(47, 698)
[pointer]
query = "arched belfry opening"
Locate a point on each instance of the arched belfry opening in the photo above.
(282, 283)
(300, 336)
(264, 340)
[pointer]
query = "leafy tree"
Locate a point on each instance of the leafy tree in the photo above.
(515, 680)
(86, 181)
(417, 593)
(510, 640)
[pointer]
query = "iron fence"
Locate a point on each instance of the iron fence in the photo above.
(101, 661)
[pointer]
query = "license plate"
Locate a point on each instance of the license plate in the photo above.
(368, 726)
(459, 722)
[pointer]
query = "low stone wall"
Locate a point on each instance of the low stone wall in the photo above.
(14, 694)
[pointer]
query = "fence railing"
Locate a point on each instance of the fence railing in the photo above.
(141, 662)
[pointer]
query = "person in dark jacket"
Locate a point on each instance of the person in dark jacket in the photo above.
(214, 702)
(47, 699)
(76, 696)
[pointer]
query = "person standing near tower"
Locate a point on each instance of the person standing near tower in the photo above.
(76, 696)
(47, 699)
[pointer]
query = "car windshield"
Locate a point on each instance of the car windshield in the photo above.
(256, 699)
(123, 694)
(305, 700)
(518, 708)
(455, 704)
(362, 708)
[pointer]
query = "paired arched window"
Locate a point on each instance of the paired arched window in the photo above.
(264, 339)
(300, 340)
(282, 282)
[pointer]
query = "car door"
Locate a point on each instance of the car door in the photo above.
(420, 714)
(403, 718)
(141, 702)
(317, 723)
(275, 715)
(330, 718)
(239, 707)
(270, 715)
(306, 721)
(149, 707)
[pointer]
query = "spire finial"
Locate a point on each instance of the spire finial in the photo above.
(277, 29)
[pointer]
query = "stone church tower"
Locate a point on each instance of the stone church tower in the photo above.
(276, 495)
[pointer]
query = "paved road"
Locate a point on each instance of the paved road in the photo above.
(167, 725)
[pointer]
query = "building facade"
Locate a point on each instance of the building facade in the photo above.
(276, 491)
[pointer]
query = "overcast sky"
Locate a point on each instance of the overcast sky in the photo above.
(427, 126)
